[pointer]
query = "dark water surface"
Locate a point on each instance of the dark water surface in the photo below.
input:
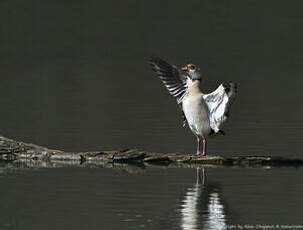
(75, 76)
(156, 198)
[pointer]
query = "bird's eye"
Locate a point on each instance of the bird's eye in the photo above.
(191, 67)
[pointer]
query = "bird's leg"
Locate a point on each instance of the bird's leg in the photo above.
(203, 176)
(198, 154)
(198, 175)
(204, 147)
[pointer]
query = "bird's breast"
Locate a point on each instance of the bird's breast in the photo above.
(196, 113)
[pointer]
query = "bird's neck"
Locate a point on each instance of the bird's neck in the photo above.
(194, 87)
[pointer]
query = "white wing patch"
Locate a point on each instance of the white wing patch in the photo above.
(218, 103)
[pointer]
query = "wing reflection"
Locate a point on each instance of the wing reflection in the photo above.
(202, 207)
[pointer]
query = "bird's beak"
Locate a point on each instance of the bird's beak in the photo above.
(184, 68)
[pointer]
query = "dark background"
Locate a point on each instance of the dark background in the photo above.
(74, 75)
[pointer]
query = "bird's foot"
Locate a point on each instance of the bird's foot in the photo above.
(200, 154)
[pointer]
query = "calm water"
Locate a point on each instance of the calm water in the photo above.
(156, 198)
(75, 77)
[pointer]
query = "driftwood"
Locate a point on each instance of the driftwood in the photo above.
(16, 151)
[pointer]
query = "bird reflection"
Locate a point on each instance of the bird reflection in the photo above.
(202, 206)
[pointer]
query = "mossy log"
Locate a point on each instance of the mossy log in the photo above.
(11, 150)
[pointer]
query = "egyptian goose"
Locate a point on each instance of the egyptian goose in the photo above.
(204, 113)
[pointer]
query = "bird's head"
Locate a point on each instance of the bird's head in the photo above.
(192, 71)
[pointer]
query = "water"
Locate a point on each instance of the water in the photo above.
(155, 198)
(75, 77)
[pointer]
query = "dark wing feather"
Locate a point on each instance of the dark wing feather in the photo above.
(173, 79)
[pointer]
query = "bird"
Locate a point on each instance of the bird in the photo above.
(203, 113)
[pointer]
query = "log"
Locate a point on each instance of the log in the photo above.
(31, 154)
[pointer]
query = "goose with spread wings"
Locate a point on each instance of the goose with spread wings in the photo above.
(204, 113)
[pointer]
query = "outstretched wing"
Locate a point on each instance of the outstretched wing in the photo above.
(219, 102)
(173, 79)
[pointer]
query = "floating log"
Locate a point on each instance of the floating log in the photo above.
(11, 150)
